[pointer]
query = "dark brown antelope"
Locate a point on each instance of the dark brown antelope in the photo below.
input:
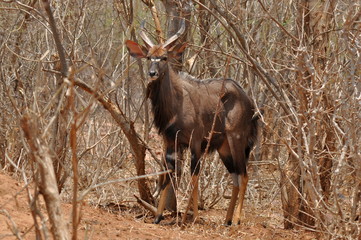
(184, 110)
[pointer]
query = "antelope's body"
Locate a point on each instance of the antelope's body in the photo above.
(184, 110)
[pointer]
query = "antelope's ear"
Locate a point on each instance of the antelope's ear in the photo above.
(135, 49)
(177, 50)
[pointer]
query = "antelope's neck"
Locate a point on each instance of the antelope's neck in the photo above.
(166, 97)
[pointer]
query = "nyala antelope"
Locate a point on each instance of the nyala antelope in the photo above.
(184, 109)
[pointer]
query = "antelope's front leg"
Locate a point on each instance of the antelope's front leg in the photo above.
(162, 201)
(195, 167)
(166, 184)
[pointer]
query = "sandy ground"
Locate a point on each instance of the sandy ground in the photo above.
(96, 223)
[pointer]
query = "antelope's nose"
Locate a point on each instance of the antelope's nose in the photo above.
(152, 73)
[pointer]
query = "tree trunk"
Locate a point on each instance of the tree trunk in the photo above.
(321, 19)
(176, 11)
(290, 182)
(315, 162)
(48, 185)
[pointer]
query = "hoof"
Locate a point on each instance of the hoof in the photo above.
(227, 224)
(158, 219)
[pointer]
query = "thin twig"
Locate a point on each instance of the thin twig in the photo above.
(13, 227)
(146, 205)
(268, 80)
(85, 192)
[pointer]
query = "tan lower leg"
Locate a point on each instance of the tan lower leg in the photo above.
(232, 204)
(161, 204)
(195, 196)
(242, 192)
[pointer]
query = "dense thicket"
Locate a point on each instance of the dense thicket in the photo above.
(86, 114)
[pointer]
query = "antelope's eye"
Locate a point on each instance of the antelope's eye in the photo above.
(148, 58)
(164, 58)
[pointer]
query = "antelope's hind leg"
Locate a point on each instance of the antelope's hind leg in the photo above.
(235, 162)
(232, 203)
(238, 192)
(243, 180)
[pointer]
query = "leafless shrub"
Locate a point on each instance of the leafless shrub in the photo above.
(304, 74)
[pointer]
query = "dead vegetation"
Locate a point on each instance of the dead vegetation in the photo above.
(84, 114)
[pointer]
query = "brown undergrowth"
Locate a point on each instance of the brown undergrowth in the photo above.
(129, 221)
